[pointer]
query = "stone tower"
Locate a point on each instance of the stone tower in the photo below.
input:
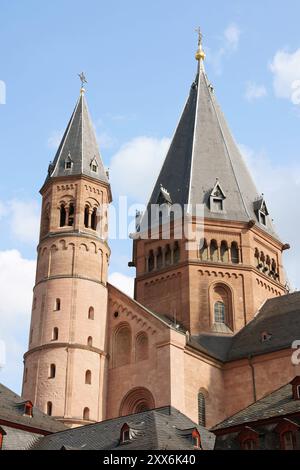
(65, 366)
(219, 284)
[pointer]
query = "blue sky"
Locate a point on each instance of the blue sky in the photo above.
(138, 57)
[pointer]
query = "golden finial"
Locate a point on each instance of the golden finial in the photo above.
(200, 54)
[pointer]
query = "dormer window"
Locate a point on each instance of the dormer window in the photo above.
(94, 165)
(296, 387)
(68, 162)
(196, 440)
(217, 198)
(164, 197)
(261, 211)
(125, 434)
(2, 434)
(28, 409)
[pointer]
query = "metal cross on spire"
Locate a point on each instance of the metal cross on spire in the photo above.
(82, 79)
(200, 35)
(200, 54)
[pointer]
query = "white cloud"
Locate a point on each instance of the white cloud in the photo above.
(105, 140)
(254, 91)
(135, 166)
(281, 186)
(16, 283)
(286, 71)
(122, 282)
(24, 220)
(3, 210)
(54, 139)
(229, 40)
(232, 36)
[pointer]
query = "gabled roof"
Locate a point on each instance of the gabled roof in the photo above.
(161, 428)
(12, 411)
(202, 150)
(78, 146)
(161, 318)
(274, 313)
(276, 404)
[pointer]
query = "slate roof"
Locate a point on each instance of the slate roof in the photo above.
(203, 150)
(12, 410)
(279, 317)
(162, 428)
(79, 146)
(276, 404)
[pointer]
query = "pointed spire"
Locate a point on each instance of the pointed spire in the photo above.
(78, 152)
(202, 150)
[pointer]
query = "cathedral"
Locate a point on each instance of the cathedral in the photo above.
(211, 325)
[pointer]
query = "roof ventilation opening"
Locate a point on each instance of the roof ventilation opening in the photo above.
(265, 336)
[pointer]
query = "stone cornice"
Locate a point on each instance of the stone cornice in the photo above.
(56, 345)
(69, 276)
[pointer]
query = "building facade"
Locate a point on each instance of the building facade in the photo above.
(183, 341)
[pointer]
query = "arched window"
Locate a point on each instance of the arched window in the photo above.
(224, 252)
(159, 258)
(88, 377)
(71, 215)
(94, 219)
(55, 334)
(122, 346)
(91, 313)
(288, 440)
(221, 305)
(219, 312)
(176, 253)
(203, 250)
(52, 371)
(151, 261)
(141, 347)
(63, 215)
(201, 409)
(168, 258)
(235, 258)
(25, 374)
(57, 304)
(86, 216)
(86, 413)
(213, 250)
(90, 341)
(49, 408)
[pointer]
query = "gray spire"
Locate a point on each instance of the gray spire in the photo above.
(204, 164)
(78, 152)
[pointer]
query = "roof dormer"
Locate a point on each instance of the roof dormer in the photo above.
(295, 383)
(68, 162)
(94, 165)
(217, 198)
(261, 210)
(164, 196)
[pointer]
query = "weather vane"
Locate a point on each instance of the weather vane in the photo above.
(82, 79)
(200, 35)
